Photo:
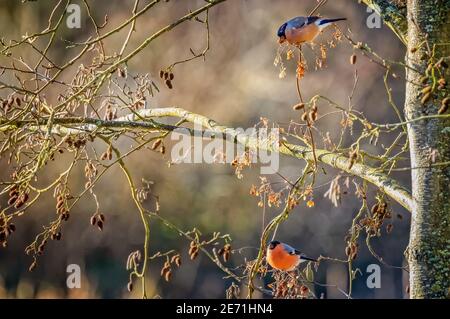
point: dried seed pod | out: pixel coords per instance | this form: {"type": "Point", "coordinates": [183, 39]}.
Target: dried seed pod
{"type": "Point", "coordinates": [178, 260]}
{"type": "Point", "coordinates": [413, 50]}
{"type": "Point", "coordinates": [161, 74]}
{"type": "Point", "coordinates": [100, 225]}
{"type": "Point", "coordinates": [167, 264]}
{"type": "Point", "coordinates": [19, 203]}
{"type": "Point", "coordinates": [65, 216]}
{"type": "Point", "coordinates": [193, 249]}
{"type": "Point", "coordinates": [347, 251]}
{"type": "Point", "coordinates": [226, 255]}
{"type": "Point", "coordinates": [162, 149]}
{"type": "Point", "coordinates": [130, 286]}
{"type": "Point", "coordinates": [164, 269]}
{"type": "Point", "coordinates": [194, 255]}
{"type": "Point", "coordinates": [10, 101]}
{"type": "Point", "coordinates": [32, 266]}
{"type": "Point", "coordinates": [13, 192]}
{"type": "Point", "coordinates": [304, 290]}
{"type": "Point", "coordinates": [41, 248]}
{"type": "Point", "coordinates": [156, 144]}
{"type": "Point", "coordinates": [171, 76]}
{"type": "Point", "coordinates": [172, 260]}
{"type": "Point", "coordinates": [353, 248]}
{"type": "Point", "coordinates": [168, 276]}
{"type": "Point", "coordinates": [59, 204]}
{"type": "Point", "coordinates": [389, 228]}
{"type": "Point", "coordinates": [101, 217]}
{"type": "Point", "coordinates": [444, 106]}
{"type": "Point", "coordinates": [61, 210]}
{"type": "Point", "coordinates": [12, 200]}
{"type": "Point", "coordinates": [312, 116]}
{"type": "Point", "coordinates": [121, 73]}
{"type": "Point", "coordinates": [299, 106]}
{"type": "Point", "coordinates": [305, 117]}
{"type": "Point", "coordinates": [374, 209]}
{"type": "Point", "coordinates": [166, 75]}
{"type": "Point", "coordinates": [353, 59]}
{"type": "Point", "coordinates": [56, 236]}
{"type": "Point", "coordinates": [427, 89]}
{"type": "Point", "coordinates": [169, 84]}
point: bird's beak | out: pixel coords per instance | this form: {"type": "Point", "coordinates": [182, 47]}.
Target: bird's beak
{"type": "Point", "coordinates": [281, 40]}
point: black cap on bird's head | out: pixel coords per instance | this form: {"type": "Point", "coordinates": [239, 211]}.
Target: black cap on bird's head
{"type": "Point", "coordinates": [273, 244]}
{"type": "Point", "coordinates": [282, 33]}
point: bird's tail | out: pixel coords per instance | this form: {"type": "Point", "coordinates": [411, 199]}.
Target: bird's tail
{"type": "Point", "coordinates": [324, 22]}
{"type": "Point", "coordinates": [303, 257]}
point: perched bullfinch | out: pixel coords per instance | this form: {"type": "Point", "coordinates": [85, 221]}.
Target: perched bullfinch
{"type": "Point", "coordinates": [303, 29]}
{"type": "Point", "coordinates": [284, 257]}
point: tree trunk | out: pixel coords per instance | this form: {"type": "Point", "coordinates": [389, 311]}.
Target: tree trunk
{"type": "Point", "coordinates": [429, 245]}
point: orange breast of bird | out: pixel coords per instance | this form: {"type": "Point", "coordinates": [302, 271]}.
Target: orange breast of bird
{"type": "Point", "coordinates": [279, 259]}
{"type": "Point", "coordinates": [304, 34]}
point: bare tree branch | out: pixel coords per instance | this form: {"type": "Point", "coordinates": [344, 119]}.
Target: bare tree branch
{"type": "Point", "coordinates": [142, 120]}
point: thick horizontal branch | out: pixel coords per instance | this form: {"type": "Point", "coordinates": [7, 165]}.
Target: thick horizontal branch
{"type": "Point", "coordinates": [393, 14]}
{"type": "Point", "coordinates": [391, 187]}
{"type": "Point", "coordinates": [143, 120]}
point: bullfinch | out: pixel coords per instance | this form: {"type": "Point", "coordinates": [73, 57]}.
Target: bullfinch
{"type": "Point", "coordinates": [303, 29]}
{"type": "Point", "coordinates": [284, 257]}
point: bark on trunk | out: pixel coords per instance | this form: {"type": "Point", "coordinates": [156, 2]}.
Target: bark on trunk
{"type": "Point", "coordinates": [429, 246]}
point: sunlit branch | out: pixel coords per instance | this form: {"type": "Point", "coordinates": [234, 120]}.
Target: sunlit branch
{"type": "Point", "coordinates": [142, 120]}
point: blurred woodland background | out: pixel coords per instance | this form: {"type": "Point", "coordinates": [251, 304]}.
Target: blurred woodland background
{"type": "Point", "coordinates": [236, 85]}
